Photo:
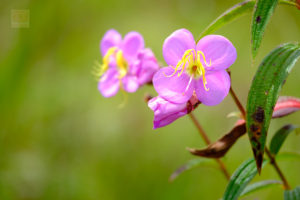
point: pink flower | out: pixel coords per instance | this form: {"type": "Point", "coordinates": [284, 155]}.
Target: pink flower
{"type": "Point", "coordinates": [146, 66]}
{"type": "Point", "coordinates": [198, 68]}
{"type": "Point", "coordinates": [166, 112]}
{"type": "Point", "coordinates": [126, 63]}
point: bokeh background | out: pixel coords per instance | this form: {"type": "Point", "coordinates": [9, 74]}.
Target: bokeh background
{"type": "Point", "coordinates": [60, 139]}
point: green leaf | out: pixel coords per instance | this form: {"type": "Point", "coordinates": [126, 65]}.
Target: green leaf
{"type": "Point", "coordinates": [263, 94]}
{"type": "Point", "coordinates": [233, 13]}
{"type": "Point", "coordinates": [228, 16]}
{"type": "Point", "coordinates": [280, 137]}
{"type": "Point", "coordinates": [191, 164]}
{"type": "Point", "coordinates": [288, 156]}
{"type": "Point", "coordinates": [240, 178]}
{"type": "Point", "coordinates": [260, 185]}
{"type": "Point", "coordinates": [292, 194]}
{"type": "Point", "coordinates": [262, 13]}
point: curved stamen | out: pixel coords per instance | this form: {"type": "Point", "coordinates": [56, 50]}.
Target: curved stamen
{"type": "Point", "coordinates": [202, 68]}
{"type": "Point", "coordinates": [182, 63]}
{"type": "Point", "coordinates": [192, 60]}
{"type": "Point", "coordinates": [203, 56]}
{"type": "Point", "coordinates": [102, 68]}
{"type": "Point", "coordinates": [121, 63]}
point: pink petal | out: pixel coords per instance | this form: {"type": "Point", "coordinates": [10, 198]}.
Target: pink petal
{"type": "Point", "coordinates": [218, 84]}
{"type": "Point", "coordinates": [133, 42]}
{"type": "Point", "coordinates": [173, 89]}
{"type": "Point", "coordinates": [130, 83]}
{"type": "Point", "coordinates": [146, 66]}
{"type": "Point", "coordinates": [109, 83]}
{"type": "Point", "coordinates": [148, 69]}
{"type": "Point", "coordinates": [111, 39]}
{"type": "Point", "coordinates": [176, 44]}
{"type": "Point", "coordinates": [219, 50]}
{"type": "Point", "coordinates": [166, 112]}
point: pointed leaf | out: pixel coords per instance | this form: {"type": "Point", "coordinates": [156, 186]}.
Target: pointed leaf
{"type": "Point", "coordinates": [220, 147]}
{"type": "Point", "coordinates": [260, 185]}
{"type": "Point", "coordinates": [191, 164]}
{"type": "Point", "coordinates": [228, 16]}
{"type": "Point", "coordinates": [292, 194]}
{"type": "Point", "coordinates": [286, 105]}
{"type": "Point", "coordinates": [262, 13]}
{"type": "Point", "coordinates": [240, 178]}
{"type": "Point", "coordinates": [233, 13]}
{"type": "Point", "coordinates": [263, 94]}
{"type": "Point", "coordinates": [280, 137]}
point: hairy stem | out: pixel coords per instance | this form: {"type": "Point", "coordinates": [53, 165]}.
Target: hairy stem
{"type": "Point", "coordinates": [278, 170]}
{"type": "Point", "coordinates": [200, 129]}
{"type": "Point", "coordinates": [237, 102]}
{"type": "Point", "coordinates": [207, 141]}
{"type": "Point", "coordinates": [271, 157]}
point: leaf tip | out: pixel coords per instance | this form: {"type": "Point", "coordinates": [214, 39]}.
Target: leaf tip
{"type": "Point", "coordinates": [191, 150]}
{"type": "Point", "coordinates": [259, 162]}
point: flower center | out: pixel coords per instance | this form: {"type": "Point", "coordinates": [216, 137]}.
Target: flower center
{"type": "Point", "coordinates": [191, 61]}
{"type": "Point", "coordinates": [120, 60]}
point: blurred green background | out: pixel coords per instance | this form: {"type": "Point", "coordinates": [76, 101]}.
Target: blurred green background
{"type": "Point", "coordinates": [60, 139]}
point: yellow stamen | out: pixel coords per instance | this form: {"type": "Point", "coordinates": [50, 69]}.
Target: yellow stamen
{"type": "Point", "coordinates": [191, 60]}
{"type": "Point", "coordinates": [122, 64]}
{"type": "Point", "coordinates": [101, 69]}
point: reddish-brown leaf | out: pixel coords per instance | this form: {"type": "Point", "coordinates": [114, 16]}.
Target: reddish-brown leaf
{"type": "Point", "coordinates": [221, 146]}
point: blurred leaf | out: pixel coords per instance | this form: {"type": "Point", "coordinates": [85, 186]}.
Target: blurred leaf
{"type": "Point", "coordinates": [262, 13]}
{"type": "Point", "coordinates": [233, 13]}
{"type": "Point", "coordinates": [220, 147]}
{"type": "Point", "coordinates": [280, 137]}
{"type": "Point", "coordinates": [288, 156]}
{"type": "Point", "coordinates": [240, 178]}
{"type": "Point", "coordinates": [286, 105]}
{"type": "Point", "coordinates": [260, 185]}
{"type": "Point", "coordinates": [191, 164]}
{"type": "Point", "coordinates": [263, 94]}
{"type": "Point", "coordinates": [228, 16]}
{"type": "Point", "coordinates": [292, 194]}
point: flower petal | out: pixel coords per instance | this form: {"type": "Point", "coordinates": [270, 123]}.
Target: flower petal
{"type": "Point", "coordinates": [217, 49]}
{"type": "Point", "coordinates": [218, 84]}
{"type": "Point", "coordinates": [110, 39]}
{"type": "Point", "coordinates": [130, 83]}
{"type": "Point", "coordinates": [176, 44]}
{"type": "Point", "coordinates": [174, 88]}
{"type": "Point", "coordinates": [166, 112]}
{"type": "Point", "coordinates": [109, 83]}
{"type": "Point", "coordinates": [146, 66]}
{"type": "Point", "coordinates": [148, 69]}
{"type": "Point", "coordinates": [133, 42]}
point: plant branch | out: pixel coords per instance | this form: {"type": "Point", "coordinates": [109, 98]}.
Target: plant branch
{"type": "Point", "coordinates": [237, 102]}
{"type": "Point", "coordinates": [200, 129]}
{"type": "Point", "coordinates": [207, 141]}
{"type": "Point", "coordinates": [271, 157]}
{"type": "Point", "coordinates": [276, 167]}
